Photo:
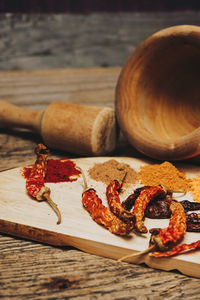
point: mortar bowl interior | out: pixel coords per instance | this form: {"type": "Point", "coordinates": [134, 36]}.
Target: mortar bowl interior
{"type": "Point", "coordinates": [157, 94]}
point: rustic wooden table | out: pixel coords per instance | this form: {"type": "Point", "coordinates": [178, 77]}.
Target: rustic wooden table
{"type": "Point", "coordinates": [31, 270]}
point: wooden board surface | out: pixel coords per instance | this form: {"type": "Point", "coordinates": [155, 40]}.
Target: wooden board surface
{"type": "Point", "coordinates": [24, 217]}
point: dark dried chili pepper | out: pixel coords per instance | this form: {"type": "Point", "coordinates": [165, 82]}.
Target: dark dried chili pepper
{"type": "Point", "coordinates": [175, 230]}
{"type": "Point", "coordinates": [159, 208]}
{"type": "Point", "coordinates": [189, 206]}
{"type": "Point", "coordinates": [112, 193]}
{"type": "Point", "coordinates": [177, 249]}
{"type": "Point", "coordinates": [193, 222]}
{"type": "Point", "coordinates": [141, 203]}
{"type": "Point", "coordinates": [35, 182]}
{"type": "Point", "coordinates": [129, 202]}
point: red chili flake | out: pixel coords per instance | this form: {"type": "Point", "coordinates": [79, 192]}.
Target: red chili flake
{"type": "Point", "coordinates": [61, 170]}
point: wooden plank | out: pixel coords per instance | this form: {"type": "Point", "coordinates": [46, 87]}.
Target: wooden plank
{"type": "Point", "coordinates": [47, 41]}
{"type": "Point", "coordinates": [93, 86]}
{"type": "Point", "coordinates": [22, 216]}
{"type": "Point", "coordinates": [35, 270]}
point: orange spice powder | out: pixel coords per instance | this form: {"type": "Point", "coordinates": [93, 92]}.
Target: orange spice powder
{"type": "Point", "coordinates": [194, 187]}
{"type": "Point", "coordinates": [165, 174]}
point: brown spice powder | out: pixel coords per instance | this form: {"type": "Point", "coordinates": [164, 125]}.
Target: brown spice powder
{"type": "Point", "coordinates": [111, 170]}
{"type": "Point", "coordinates": [165, 174]}
{"type": "Point", "coordinates": [194, 187]}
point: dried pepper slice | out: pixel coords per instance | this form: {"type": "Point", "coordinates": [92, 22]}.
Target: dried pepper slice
{"type": "Point", "coordinates": [112, 193]}
{"type": "Point", "coordinates": [141, 203]}
{"type": "Point", "coordinates": [177, 249]}
{"type": "Point", "coordinates": [175, 230]}
{"type": "Point", "coordinates": [102, 215]}
{"type": "Point", "coordinates": [35, 179]}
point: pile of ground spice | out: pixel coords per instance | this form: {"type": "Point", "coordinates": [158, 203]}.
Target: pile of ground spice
{"type": "Point", "coordinates": [194, 187]}
{"type": "Point", "coordinates": [111, 170]}
{"type": "Point", "coordinates": [165, 174]}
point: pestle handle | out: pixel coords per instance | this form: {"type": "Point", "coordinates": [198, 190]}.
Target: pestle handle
{"type": "Point", "coordinates": [71, 127]}
{"type": "Point", "coordinates": [12, 116]}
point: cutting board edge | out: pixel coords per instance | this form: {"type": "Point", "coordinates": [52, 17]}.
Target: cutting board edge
{"type": "Point", "coordinates": [94, 247]}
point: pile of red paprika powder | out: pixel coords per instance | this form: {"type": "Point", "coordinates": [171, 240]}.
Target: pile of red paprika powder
{"type": "Point", "coordinates": [57, 170]}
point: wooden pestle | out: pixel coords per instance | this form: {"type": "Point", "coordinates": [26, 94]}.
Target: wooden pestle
{"type": "Point", "coordinates": [80, 129]}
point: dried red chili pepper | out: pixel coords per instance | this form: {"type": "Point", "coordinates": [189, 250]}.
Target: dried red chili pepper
{"type": "Point", "coordinates": [129, 202]}
{"type": "Point", "coordinates": [175, 230]}
{"type": "Point", "coordinates": [162, 238]}
{"type": "Point", "coordinates": [112, 193]}
{"type": "Point", "coordinates": [35, 182]}
{"type": "Point", "coordinates": [177, 249]}
{"type": "Point", "coordinates": [102, 215]}
{"type": "Point", "coordinates": [141, 203]}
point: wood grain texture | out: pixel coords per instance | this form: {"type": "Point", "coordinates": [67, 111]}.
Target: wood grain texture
{"type": "Point", "coordinates": [75, 40]}
{"type": "Point", "coordinates": [31, 270]}
{"type": "Point", "coordinates": [157, 96]}
{"type": "Point", "coordinates": [23, 217]}
{"type": "Point", "coordinates": [37, 271]}
{"type": "Point", "coordinates": [37, 88]}
{"type": "Point", "coordinates": [45, 272]}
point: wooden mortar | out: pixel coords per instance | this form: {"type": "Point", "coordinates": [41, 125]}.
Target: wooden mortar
{"type": "Point", "coordinates": [157, 94]}
{"type": "Point", "coordinates": [75, 128]}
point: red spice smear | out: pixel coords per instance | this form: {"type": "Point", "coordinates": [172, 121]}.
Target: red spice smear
{"type": "Point", "coordinates": [57, 170]}
{"type": "Point", "coordinates": [61, 170]}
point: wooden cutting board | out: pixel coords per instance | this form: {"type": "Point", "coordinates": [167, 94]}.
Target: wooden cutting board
{"type": "Point", "coordinates": [24, 217]}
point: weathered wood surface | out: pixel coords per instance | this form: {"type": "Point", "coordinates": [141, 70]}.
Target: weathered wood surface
{"type": "Point", "coordinates": [37, 271]}
{"type": "Point", "coordinates": [30, 270]}
{"type": "Point", "coordinates": [67, 40]}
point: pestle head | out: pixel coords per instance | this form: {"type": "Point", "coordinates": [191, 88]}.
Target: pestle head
{"type": "Point", "coordinates": [81, 129]}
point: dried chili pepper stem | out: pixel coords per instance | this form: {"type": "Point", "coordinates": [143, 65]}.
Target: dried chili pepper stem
{"type": "Point", "coordinates": [146, 251]}
{"type": "Point", "coordinates": [184, 192]}
{"type": "Point", "coordinates": [85, 187]}
{"type": "Point", "coordinates": [44, 195]}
